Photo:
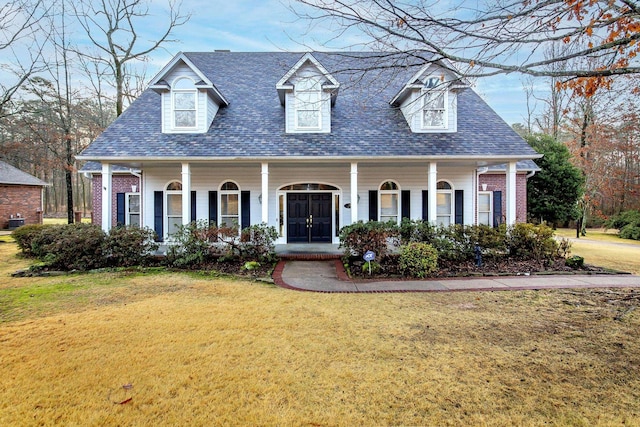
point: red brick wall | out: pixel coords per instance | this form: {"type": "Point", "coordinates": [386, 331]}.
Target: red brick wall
{"type": "Point", "coordinates": [498, 182]}
{"type": "Point", "coordinates": [25, 200]}
{"type": "Point", "coordinates": [119, 184]}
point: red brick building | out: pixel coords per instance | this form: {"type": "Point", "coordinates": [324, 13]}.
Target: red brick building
{"type": "Point", "coordinates": [20, 197]}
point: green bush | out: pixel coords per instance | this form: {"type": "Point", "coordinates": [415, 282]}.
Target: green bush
{"type": "Point", "coordinates": [25, 235]}
{"type": "Point", "coordinates": [623, 219]}
{"type": "Point", "coordinates": [192, 244]}
{"type": "Point", "coordinates": [129, 246]}
{"type": "Point", "coordinates": [532, 242]}
{"type": "Point", "coordinates": [418, 259]}
{"type": "Point", "coordinates": [71, 246]}
{"type": "Point", "coordinates": [575, 262]}
{"type": "Point", "coordinates": [375, 236]}
{"type": "Point", "coordinates": [257, 242]}
{"type": "Point", "coordinates": [417, 230]}
{"type": "Point", "coordinates": [630, 231]}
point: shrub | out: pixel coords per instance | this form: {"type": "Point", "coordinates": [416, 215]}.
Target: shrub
{"type": "Point", "coordinates": [25, 235]}
{"type": "Point", "coordinates": [574, 262]}
{"type": "Point", "coordinates": [192, 244]}
{"type": "Point", "coordinates": [623, 219]}
{"type": "Point", "coordinates": [630, 231]}
{"type": "Point", "coordinates": [71, 246]}
{"type": "Point", "coordinates": [375, 236]}
{"type": "Point", "coordinates": [129, 246]}
{"type": "Point", "coordinates": [412, 230]}
{"type": "Point", "coordinates": [418, 259]}
{"type": "Point", "coordinates": [532, 242]}
{"type": "Point", "coordinates": [257, 242]}
{"type": "Point", "coordinates": [371, 267]}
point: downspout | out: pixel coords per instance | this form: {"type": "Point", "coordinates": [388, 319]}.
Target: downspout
{"type": "Point", "coordinates": [530, 174]}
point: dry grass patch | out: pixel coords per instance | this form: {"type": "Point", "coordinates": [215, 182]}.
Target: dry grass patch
{"type": "Point", "coordinates": [213, 352]}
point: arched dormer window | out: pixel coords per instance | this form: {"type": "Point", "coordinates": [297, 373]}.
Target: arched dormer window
{"type": "Point", "coordinates": [389, 202]}
{"type": "Point", "coordinates": [173, 201]}
{"type": "Point", "coordinates": [184, 102]}
{"type": "Point", "coordinates": [308, 96]}
{"type": "Point", "coordinates": [434, 103]}
{"type": "Point", "coordinates": [444, 211]}
{"type": "Point", "coordinates": [229, 204]}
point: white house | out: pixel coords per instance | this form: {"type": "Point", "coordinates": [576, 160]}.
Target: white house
{"type": "Point", "coordinates": [306, 143]}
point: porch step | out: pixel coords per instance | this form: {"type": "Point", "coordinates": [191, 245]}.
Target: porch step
{"type": "Point", "coordinates": [308, 257]}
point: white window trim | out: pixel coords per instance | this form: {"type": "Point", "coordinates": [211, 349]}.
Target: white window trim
{"type": "Point", "coordinates": [127, 218]}
{"type": "Point", "coordinates": [221, 193]}
{"type": "Point", "coordinates": [166, 207]}
{"type": "Point", "coordinates": [452, 209]}
{"type": "Point", "coordinates": [445, 93]}
{"type": "Point", "coordinates": [193, 91]}
{"type": "Point", "coordinates": [297, 108]}
{"type": "Point", "coordinates": [397, 192]}
{"type": "Point", "coordinates": [490, 211]}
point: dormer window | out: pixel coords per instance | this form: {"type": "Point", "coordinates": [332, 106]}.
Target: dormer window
{"type": "Point", "coordinates": [434, 104]}
{"type": "Point", "coordinates": [308, 97]}
{"type": "Point", "coordinates": [184, 96]}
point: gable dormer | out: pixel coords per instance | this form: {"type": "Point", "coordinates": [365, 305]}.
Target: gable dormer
{"type": "Point", "coordinates": [429, 100]}
{"type": "Point", "coordinates": [190, 101]}
{"type": "Point", "coordinates": [307, 92]}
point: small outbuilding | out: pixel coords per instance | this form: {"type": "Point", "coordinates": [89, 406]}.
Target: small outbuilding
{"type": "Point", "coordinates": [21, 197]}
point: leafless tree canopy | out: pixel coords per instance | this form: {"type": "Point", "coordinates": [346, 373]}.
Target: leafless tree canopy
{"type": "Point", "coordinates": [490, 37]}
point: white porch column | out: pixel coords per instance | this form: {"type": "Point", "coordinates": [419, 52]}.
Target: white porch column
{"type": "Point", "coordinates": [511, 193]}
{"type": "Point", "coordinates": [265, 193]}
{"type": "Point", "coordinates": [186, 194]}
{"type": "Point", "coordinates": [433, 193]}
{"type": "Point", "coordinates": [107, 202]}
{"type": "Point", "coordinates": [354, 192]}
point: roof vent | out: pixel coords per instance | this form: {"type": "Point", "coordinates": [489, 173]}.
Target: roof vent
{"type": "Point", "coordinates": [222, 50]}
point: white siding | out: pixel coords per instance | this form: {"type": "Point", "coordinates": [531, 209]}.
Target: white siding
{"type": "Point", "coordinates": [412, 111]}
{"type": "Point", "coordinates": [206, 106]}
{"type": "Point", "coordinates": [307, 71]}
{"type": "Point", "coordinates": [205, 178]}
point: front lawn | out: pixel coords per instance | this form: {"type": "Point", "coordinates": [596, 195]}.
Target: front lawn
{"type": "Point", "coordinates": [158, 348]}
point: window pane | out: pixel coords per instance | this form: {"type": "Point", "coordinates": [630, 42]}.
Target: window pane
{"type": "Point", "coordinates": [388, 204]}
{"type": "Point", "coordinates": [444, 221]}
{"type": "Point", "coordinates": [134, 203]}
{"type": "Point", "coordinates": [484, 204]}
{"type": "Point", "coordinates": [185, 119]}
{"type": "Point", "coordinates": [443, 185]}
{"type": "Point", "coordinates": [434, 118]}
{"type": "Point", "coordinates": [229, 221]}
{"type": "Point", "coordinates": [484, 218]}
{"type": "Point", "coordinates": [134, 220]}
{"type": "Point", "coordinates": [229, 204]}
{"type": "Point", "coordinates": [174, 204]}
{"type": "Point", "coordinates": [229, 186]}
{"type": "Point", "coordinates": [175, 185]}
{"type": "Point", "coordinates": [444, 204]}
{"type": "Point", "coordinates": [174, 224]}
{"type": "Point", "coordinates": [185, 101]}
{"type": "Point", "coordinates": [434, 100]}
{"type": "Point", "coordinates": [389, 185]}
{"type": "Point", "coordinates": [308, 118]}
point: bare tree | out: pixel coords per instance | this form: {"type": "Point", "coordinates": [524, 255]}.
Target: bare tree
{"type": "Point", "coordinates": [21, 42]}
{"type": "Point", "coordinates": [113, 27]}
{"type": "Point", "coordinates": [503, 37]}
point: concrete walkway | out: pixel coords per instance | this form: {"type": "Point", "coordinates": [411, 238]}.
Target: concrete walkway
{"type": "Point", "coordinates": [328, 276]}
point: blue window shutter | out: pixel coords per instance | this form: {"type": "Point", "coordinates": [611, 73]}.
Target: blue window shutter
{"type": "Point", "coordinates": [158, 214]}
{"type": "Point", "coordinates": [497, 208]}
{"type": "Point", "coordinates": [406, 204]}
{"type": "Point", "coordinates": [120, 208]}
{"type": "Point", "coordinates": [373, 205]}
{"type": "Point", "coordinates": [213, 207]}
{"type": "Point", "coordinates": [245, 206]}
{"type": "Point", "coordinates": [425, 205]}
{"type": "Point", "coordinates": [193, 206]}
{"type": "Point", "coordinates": [459, 205]}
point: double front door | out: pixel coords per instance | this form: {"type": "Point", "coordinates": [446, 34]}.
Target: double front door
{"type": "Point", "coordinates": [309, 218]}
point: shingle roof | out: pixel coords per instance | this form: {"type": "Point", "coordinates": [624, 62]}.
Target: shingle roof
{"type": "Point", "coordinates": [363, 124]}
{"type": "Point", "coordinates": [14, 176]}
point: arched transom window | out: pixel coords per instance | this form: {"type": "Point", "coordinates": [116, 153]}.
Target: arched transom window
{"type": "Point", "coordinates": [389, 202]}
